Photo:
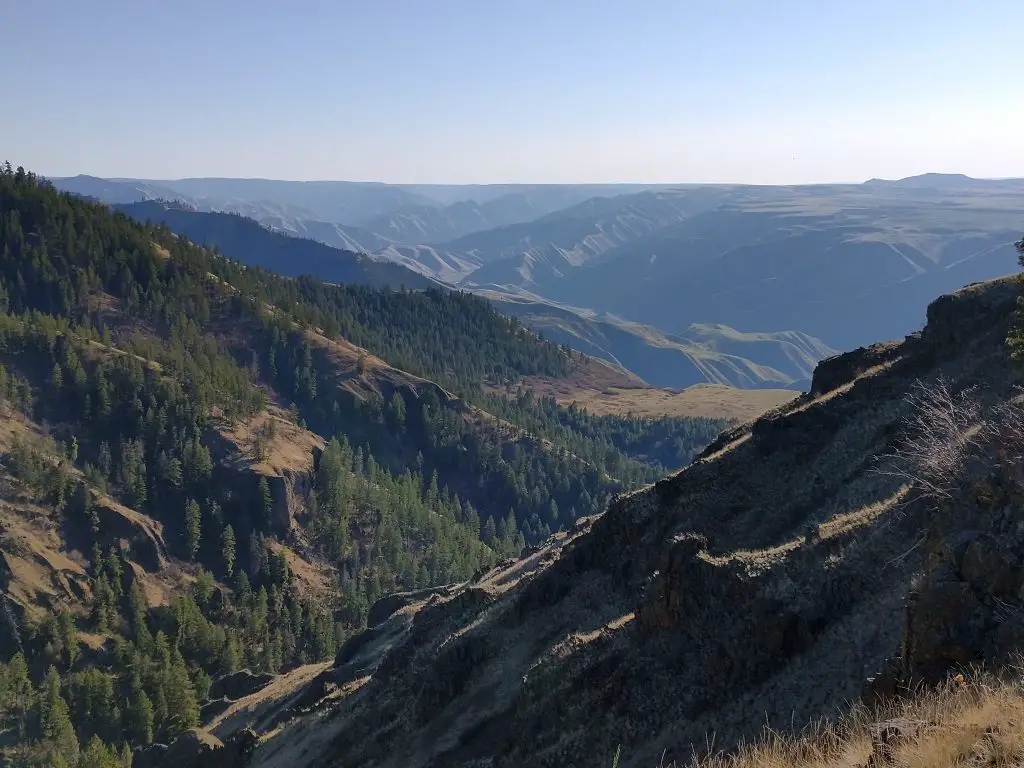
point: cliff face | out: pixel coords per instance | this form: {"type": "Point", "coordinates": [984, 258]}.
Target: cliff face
{"type": "Point", "coordinates": [765, 583]}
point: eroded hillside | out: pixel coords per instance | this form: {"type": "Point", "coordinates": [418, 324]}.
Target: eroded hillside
{"type": "Point", "coordinates": [764, 584]}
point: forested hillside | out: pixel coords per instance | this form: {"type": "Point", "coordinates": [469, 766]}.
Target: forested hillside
{"type": "Point", "coordinates": [208, 467]}
{"type": "Point", "coordinates": [241, 238]}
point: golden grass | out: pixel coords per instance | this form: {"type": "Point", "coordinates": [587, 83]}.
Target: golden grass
{"type": "Point", "coordinates": [708, 400]}
{"type": "Point", "coordinates": [291, 447]}
{"type": "Point", "coordinates": [973, 721]}
{"type": "Point", "coordinates": [843, 523]}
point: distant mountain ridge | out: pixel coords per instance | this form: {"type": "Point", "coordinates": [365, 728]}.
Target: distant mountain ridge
{"type": "Point", "coordinates": [249, 242]}
{"type": "Point", "coordinates": [834, 265]}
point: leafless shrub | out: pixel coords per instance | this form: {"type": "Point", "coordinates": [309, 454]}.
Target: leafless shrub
{"type": "Point", "coordinates": [941, 437]}
{"type": "Point", "coordinates": [1008, 425]}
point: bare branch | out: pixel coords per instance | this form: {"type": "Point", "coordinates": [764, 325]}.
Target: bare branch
{"type": "Point", "coordinates": [942, 434]}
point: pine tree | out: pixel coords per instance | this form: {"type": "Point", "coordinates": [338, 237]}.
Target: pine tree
{"type": "Point", "coordinates": [227, 549]}
{"type": "Point", "coordinates": [266, 503]}
{"type": "Point", "coordinates": [138, 610]}
{"type": "Point", "coordinates": [182, 708]}
{"type": "Point", "coordinates": [10, 632]}
{"type": "Point", "coordinates": [1015, 339]}
{"type": "Point", "coordinates": [19, 693]}
{"type": "Point", "coordinates": [56, 380]}
{"type": "Point", "coordinates": [193, 523]}
{"type": "Point", "coordinates": [55, 720]}
{"type": "Point", "coordinates": [98, 755]}
{"type": "Point", "coordinates": [139, 715]}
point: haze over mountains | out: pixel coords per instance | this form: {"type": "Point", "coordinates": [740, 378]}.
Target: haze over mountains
{"type": "Point", "coordinates": [737, 284]}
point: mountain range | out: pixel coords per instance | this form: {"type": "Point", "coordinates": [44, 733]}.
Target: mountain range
{"type": "Point", "coordinates": [744, 285]}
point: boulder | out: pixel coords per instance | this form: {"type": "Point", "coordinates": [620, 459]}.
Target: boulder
{"type": "Point", "coordinates": [199, 749]}
{"type": "Point", "coordinates": [835, 371]}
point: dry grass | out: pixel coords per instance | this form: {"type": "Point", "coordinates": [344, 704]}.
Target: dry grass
{"type": "Point", "coordinates": [708, 400]}
{"type": "Point", "coordinates": [290, 448]}
{"type": "Point", "coordinates": [974, 721]}
{"type": "Point", "coordinates": [603, 388]}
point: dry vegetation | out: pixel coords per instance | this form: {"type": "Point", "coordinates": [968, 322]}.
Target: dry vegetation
{"type": "Point", "coordinates": [972, 720]}
{"type": "Point", "coordinates": [603, 389]}
{"type": "Point", "coordinates": [708, 400]}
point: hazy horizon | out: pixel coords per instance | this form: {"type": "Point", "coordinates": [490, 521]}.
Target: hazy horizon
{"type": "Point", "coordinates": [462, 92]}
{"type": "Point", "coordinates": [500, 183]}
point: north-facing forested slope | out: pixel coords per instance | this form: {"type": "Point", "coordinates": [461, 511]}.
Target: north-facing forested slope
{"type": "Point", "coordinates": [207, 467]}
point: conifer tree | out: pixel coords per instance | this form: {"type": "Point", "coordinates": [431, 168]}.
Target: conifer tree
{"type": "Point", "coordinates": [55, 720]}
{"type": "Point", "coordinates": [193, 524]}
{"type": "Point", "coordinates": [227, 549]}
{"type": "Point", "coordinates": [139, 714]}
{"type": "Point", "coordinates": [182, 707]}
{"type": "Point", "coordinates": [266, 502]}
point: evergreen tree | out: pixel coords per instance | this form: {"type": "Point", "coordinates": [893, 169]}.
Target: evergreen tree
{"type": "Point", "coordinates": [227, 549]}
{"type": "Point", "coordinates": [55, 720]}
{"type": "Point", "coordinates": [98, 755]}
{"type": "Point", "coordinates": [193, 524]}
{"type": "Point", "coordinates": [182, 707]}
{"type": "Point", "coordinates": [266, 502]}
{"type": "Point", "coordinates": [18, 693]}
{"type": "Point", "coordinates": [10, 632]}
{"type": "Point", "coordinates": [139, 714]}
{"type": "Point", "coordinates": [138, 609]}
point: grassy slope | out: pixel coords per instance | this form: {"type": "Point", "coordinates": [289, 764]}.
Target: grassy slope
{"type": "Point", "coordinates": [972, 720]}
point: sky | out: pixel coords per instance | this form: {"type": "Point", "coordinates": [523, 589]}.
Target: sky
{"type": "Point", "coordinates": [484, 91]}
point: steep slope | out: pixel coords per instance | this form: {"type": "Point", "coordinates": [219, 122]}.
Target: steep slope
{"type": "Point", "coordinates": [761, 586]}
{"type": "Point", "coordinates": [806, 260]}
{"type": "Point", "coordinates": [574, 236]}
{"type": "Point", "coordinates": [701, 354]}
{"type": "Point", "coordinates": [345, 237]}
{"type": "Point", "coordinates": [208, 472]}
{"type": "Point", "coordinates": [475, 209]}
{"type": "Point", "coordinates": [430, 262]}
{"type": "Point", "coordinates": [247, 241]}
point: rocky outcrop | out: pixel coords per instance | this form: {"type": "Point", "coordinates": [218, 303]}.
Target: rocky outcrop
{"type": "Point", "coordinates": [197, 748]}
{"type": "Point", "coordinates": [240, 684]}
{"type": "Point", "coordinates": [383, 608]}
{"type": "Point", "coordinates": [968, 607]}
{"type": "Point", "coordinates": [211, 709]}
{"type": "Point", "coordinates": [126, 529]}
{"type": "Point", "coordinates": [834, 372]}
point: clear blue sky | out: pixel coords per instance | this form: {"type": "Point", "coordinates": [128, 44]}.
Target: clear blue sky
{"type": "Point", "coordinates": [773, 91]}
